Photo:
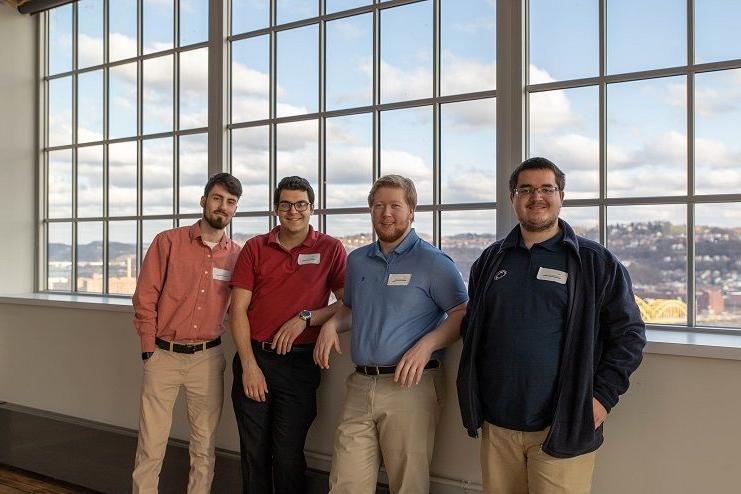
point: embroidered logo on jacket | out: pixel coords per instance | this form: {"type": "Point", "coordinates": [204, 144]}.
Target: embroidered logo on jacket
{"type": "Point", "coordinates": [500, 274]}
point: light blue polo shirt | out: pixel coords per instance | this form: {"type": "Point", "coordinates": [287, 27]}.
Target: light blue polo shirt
{"type": "Point", "coordinates": [396, 300]}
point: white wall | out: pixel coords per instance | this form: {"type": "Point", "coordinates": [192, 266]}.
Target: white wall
{"type": "Point", "coordinates": [17, 149]}
{"type": "Point", "coordinates": [675, 432]}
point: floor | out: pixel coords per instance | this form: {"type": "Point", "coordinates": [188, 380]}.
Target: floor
{"type": "Point", "coordinates": [15, 481]}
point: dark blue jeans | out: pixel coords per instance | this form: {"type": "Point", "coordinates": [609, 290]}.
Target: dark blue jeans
{"type": "Point", "coordinates": [272, 434]}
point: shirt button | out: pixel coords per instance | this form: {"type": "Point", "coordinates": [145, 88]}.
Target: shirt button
{"type": "Point", "coordinates": [208, 255]}
{"type": "Point", "coordinates": [195, 325]}
{"type": "Point", "coordinates": [199, 308]}
{"type": "Point", "coordinates": [205, 272]}
{"type": "Point", "coordinates": [202, 290]}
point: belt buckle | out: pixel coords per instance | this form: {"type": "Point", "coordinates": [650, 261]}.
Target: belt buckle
{"type": "Point", "coordinates": [375, 371]}
{"type": "Point", "coordinates": [190, 349]}
{"type": "Point", "coordinates": [265, 346]}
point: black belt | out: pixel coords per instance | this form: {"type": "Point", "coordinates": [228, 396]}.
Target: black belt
{"type": "Point", "coordinates": [184, 347]}
{"type": "Point", "coordinates": [376, 370]}
{"type": "Point", "coordinates": [265, 347]}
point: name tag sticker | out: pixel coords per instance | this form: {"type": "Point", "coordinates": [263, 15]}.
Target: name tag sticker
{"type": "Point", "coordinates": [309, 259]}
{"type": "Point", "coordinates": [548, 274]}
{"type": "Point", "coordinates": [222, 274]}
{"type": "Point", "coordinates": [398, 279]}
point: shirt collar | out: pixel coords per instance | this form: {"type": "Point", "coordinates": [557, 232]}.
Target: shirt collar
{"type": "Point", "coordinates": [195, 232]}
{"type": "Point", "coordinates": [309, 241]}
{"type": "Point", "coordinates": [404, 246]}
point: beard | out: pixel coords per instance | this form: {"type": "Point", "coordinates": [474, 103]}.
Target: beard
{"type": "Point", "coordinates": [216, 221]}
{"type": "Point", "coordinates": [534, 226]}
{"type": "Point", "coordinates": [391, 235]}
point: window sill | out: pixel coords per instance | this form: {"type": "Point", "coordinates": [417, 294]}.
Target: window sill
{"type": "Point", "coordinates": [68, 301]}
{"type": "Point", "coordinates": [661, 341]}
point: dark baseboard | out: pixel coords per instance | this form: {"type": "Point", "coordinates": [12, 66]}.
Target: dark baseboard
{"type": "Point", "coordinates": [100, 457]}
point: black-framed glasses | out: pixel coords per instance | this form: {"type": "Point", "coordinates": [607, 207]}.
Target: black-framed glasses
{"type": "Point", "coordinates": [545, 190]}
{"type": "Point", "coordinates": [300, 206]}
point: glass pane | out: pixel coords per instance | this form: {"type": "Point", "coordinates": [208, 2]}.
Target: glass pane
{"type": "Point", "coordinates": [465, 234]}
{"type": "Point", "coordinates": [122, 101]}
{"type": "Point", "coordinates": [194, 89]}
{"type": "Point", "coordinates": [60, 39]}
{"type": "Point", "coordinates": [406, 147]}
{"type": "Point", "coordinates": [150, 229]}
{"type": "Point", "coordinates": [298, 71]}
{"type": "Point", "coordinates": [90, 257]}
{"type": "Point", "coordinates": [297, 152]}
{"type": "Point", "coordinates": [717, 127]}
{"type": "Point", "coordinates": [122, 269]}
{"type": "Point", "coordinates": [90, 181]}
{"type": "Point", "coordinates": [564, 40]}
{"type": "Point", "coordinates": [350, 62]}
{"type": "Point", "coordinates": [717, 36]}
{"type": "Point", "coordinates": [122, 179]}
{"type": "Point", "coordinates": [60, 184]}
{"type": "Point", "coordinates": [193, 171]}
{"type": "Point", "coordinates": [295, 10]}
{"type": "Point", "coordinates": [584, 220]}
{"type": "Point", "coordinates": [250, 79]}
{"type": "Point", "coordinates": [60, 111]}
{"type": "Point", "coordinates": [157, 176]}
{"type": "Point", "coordinates": [158, 25]}
{"type": "Point", "coordinates": [90, 106]}
{"type": "Point", "coordinates": [717, 264]}
{"type": "Point", "coordinates": [349, 155]}
{"type": "Point", "coordinates": [353, 230]}
{"type": "Point", "coordinates": [122, 29]}
{"type": "Point", "coordinates": [468, 151]}
{"type": "Point", "coordinates": [158, 95]}
{"type": "Point", "coordinates": [406, 52]}
{"type": "Point", "coordinates": [651, 241]}
{"type": "Point", "coordinates": [244, 228]}
{"type": "Point", "coordinates": [59, 257]}
{"type": "Point", "coordinates": [250, 15]}
{"type": "Point", "coordinates": [90, 33]}
{"type": "Point", "coordinates": [467, 46]}
{"type": "Point", "coordinates": [646, 35]}
{"type": "Point", "coordinates": [422, 224]}
{"type": "Point", "coordinates": [251, 165]}
{"type": "Point", "coordinates": [647, 138]}
{"type": "Point", "coordinates": [193, 21]}
{"type": "Point", "coordinates": [338, 5]}
{"type": "Point", "coordinates": [564, 127]}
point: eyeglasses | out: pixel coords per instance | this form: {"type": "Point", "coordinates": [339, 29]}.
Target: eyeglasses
{"type": "Point", "coordinates": [300, 206]}
{"type": "Point", "coordinates": [545, 190]}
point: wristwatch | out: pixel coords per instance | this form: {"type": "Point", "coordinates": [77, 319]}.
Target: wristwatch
{"type": "Point", "coordinates": [305, 315]}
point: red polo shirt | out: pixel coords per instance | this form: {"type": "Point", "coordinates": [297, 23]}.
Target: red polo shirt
{"type": "Point", "coordinates": [285, 283]}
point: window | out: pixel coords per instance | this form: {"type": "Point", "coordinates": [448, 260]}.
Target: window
{"type": "Point", "coordinates": [637, 103]}
{"type": "Point", "coordinates": [125, 153]}
{"type": "Point", "coordinates": [641, 119]}
{"type": "Point", "coordinates": [343, 96]}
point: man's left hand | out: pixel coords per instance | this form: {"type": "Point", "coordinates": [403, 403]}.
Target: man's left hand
{"type": "Point", "coordinates": [599, 411]}
{"type": "Point", "coordinates": [287, 334]}
{"type": "Point", "coordinates": [412, 364]}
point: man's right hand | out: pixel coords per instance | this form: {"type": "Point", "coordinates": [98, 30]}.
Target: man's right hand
{"type": "Point", "coordinates": [253, 382]}
{"type": "Point", "coordinates": [327, 340]}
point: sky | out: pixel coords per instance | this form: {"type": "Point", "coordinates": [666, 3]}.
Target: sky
{"type": "Point", "coordinates": [646, 120]}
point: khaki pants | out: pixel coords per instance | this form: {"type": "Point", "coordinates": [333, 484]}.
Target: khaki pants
{"type": "Point", "coordinates": [512, 462]}
{"type": "Point", "coordinates": [202, 376]}
{"type": "Point", "coordinates": [384, 420]}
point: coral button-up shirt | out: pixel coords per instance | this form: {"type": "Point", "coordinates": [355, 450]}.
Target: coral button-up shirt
{"type": "Point", "coordinates": [182, 293]}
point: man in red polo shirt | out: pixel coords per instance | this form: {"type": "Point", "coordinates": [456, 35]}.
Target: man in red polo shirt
{"type": "Point", "coordinates": [180, 301]}
{"type": "Point", "coordinates": [280, 290]}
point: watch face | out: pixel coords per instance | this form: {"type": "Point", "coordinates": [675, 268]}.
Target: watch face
{"type": "Point", "coordinates": [304, 314]}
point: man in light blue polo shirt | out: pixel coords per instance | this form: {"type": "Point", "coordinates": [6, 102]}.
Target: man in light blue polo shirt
{"type": "Point", "coordinates": [405, 300]}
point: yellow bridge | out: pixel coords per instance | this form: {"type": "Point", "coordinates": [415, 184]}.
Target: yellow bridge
{"type": "Point", "coordinates": [662, 310]}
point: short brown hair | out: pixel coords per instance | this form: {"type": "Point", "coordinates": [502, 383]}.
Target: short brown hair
{"type": "Point", "coordinates": [399, 182]}
{"type": "Point", "coordinates": [226, 180]}
{"type": "Point", "coordinates": [537, 163]}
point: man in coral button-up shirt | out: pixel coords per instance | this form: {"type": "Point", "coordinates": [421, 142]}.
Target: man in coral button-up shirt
{"type": "Point", "coordinates": [181, 297]}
